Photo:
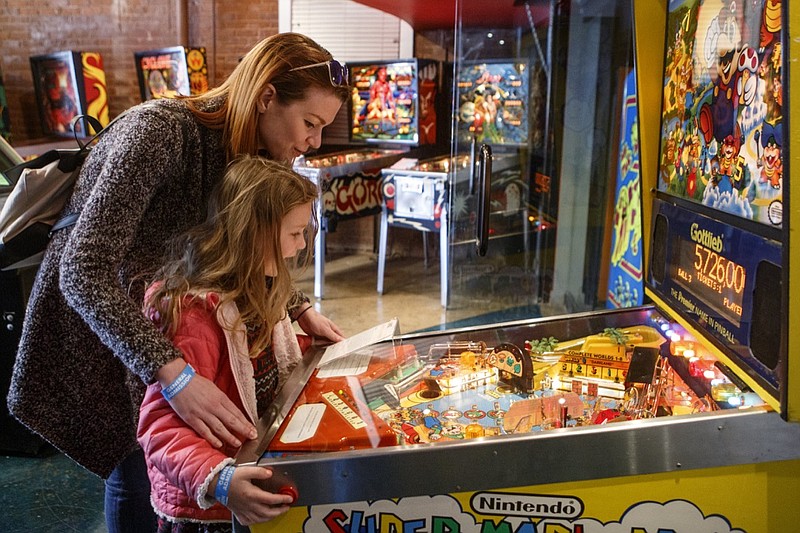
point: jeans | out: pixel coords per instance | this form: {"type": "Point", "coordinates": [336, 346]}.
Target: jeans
{"type": "Point", "coordinates": [127, 500]}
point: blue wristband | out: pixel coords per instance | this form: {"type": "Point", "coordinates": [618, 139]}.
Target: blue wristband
{"type": "Point", "coordinates": [224, 484]}
{"type": "Point", "coordinates": [180, 382]}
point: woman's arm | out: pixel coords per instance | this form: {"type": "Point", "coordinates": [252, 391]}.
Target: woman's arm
{"type": "Point", "coordinates": [206, 409]}
{"type": "Point", "coordinates": [118, 239]}
{"type": "Point", "coordinates": [128, 168]}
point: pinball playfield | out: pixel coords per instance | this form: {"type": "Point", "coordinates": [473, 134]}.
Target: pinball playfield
{"type": "Point", "coordinates": [400, 394]}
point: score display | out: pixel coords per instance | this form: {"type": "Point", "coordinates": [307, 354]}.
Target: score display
{"type": "Point", "coordinates": [724, 279]}
{"type": "Point", "coordinates": [701, 268]}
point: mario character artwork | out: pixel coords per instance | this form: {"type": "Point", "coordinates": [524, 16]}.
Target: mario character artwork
{"type": "Point", "coordinates": [722, 116]}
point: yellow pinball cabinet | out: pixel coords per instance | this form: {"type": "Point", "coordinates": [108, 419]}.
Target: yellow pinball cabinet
{"type": "Point", "coordinates": [680, 415]}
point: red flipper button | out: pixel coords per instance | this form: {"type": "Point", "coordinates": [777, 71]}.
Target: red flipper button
{"type": "Point", "coordinates": [289, 490]}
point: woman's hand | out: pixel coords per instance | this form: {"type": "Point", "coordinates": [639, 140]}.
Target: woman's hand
{"type": "Point", "coordinates": [206, 408]}
{"type": "Point", "coordinates": [250, 503]}
{"type": "Point", "coordinates": [318, 325]}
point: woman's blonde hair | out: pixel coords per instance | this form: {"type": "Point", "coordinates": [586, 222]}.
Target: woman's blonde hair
{"type": "Point", "coordinates": [270, 61]}
{"type": "Point", "coordinates": [226, 253]}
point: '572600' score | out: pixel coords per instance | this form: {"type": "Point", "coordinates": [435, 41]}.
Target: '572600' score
{"type": "Point", "coordinates": [708, 275]}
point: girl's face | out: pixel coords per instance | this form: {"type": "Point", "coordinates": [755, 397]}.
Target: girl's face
{"type": "Point", "coordinates": [287, 131]}
{"type": "Point", "coordinates": [293, 237]}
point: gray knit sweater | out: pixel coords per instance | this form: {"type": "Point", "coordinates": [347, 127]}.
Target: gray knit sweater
{"type": "Point", "coordinates": [86, 350]}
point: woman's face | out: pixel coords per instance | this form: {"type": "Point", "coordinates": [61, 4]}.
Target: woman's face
{"type": "Point", "coordinates": [287, 131]}
{"type": "Point", "coordinates": [293, 237]}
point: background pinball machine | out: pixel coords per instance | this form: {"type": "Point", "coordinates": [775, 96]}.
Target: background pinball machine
{"type": "Point", "coordinates": [171, 72]}
{"type": "Point", "coordinates": [68, 84]}
{"type": "Point", "coordinates": [677, 415]}
{"type": "Point", "coordinates": [446, 195]}
{"type": "Point", "coordinates": [391, 112]}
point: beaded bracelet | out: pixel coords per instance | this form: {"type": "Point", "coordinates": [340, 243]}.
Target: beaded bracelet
{"type": "Point", "coordinates": [180, 382]}
{"type": "Point", "coordinates": [224, 484]}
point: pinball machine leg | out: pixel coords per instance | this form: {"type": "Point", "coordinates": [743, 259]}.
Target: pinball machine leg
{"type": "Point", "coordinates": [425, 248]}
{"type": "Point", "coordinates": [382, 248]}
{"type": "Point", "coordinates": [319, 263]}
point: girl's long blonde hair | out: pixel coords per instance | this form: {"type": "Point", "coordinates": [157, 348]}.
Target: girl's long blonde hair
{"type": "Point", "coordinates": [269, 61]}
{"type": "Point", "coordinates": [226, 253]}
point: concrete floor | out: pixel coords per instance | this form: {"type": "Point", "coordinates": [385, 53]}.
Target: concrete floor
{"type": "Point", "coordinates": [49, 493]}
{"type": "Point", "coordinates": [411, 293]}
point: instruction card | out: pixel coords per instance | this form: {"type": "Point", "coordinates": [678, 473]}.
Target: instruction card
{"type": "Point", "coordinates": [359, 341]}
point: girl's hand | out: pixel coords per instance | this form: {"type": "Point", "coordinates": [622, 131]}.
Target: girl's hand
{"type": "Point", "coordinates": [207, 409]}
{"type": "Point", "coordinates": [250, 503]}
{"type": "Point", "coordinates": [318, 325]}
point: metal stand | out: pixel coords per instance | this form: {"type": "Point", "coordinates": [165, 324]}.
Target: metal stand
{"type": "Point", "coordinates": [319, 256]}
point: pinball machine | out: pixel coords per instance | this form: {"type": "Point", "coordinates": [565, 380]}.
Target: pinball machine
{"type": "Point", "coordinates": [513, 417]}
{"type": "Point", "coordinates": [444, 195]}
{"type": "Point", "coordinates": [677, 415]}
{"type": "Point", "coordinates": [390, 112]}
{"type": "Point", "coordinates": [417, 196]}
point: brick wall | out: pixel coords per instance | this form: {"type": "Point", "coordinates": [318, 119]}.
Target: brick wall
{"type": "Point", "coordinates": [116, 29]}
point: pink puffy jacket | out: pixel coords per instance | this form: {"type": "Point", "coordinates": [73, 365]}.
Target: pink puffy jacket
{"type": "Point", "coordinates": [180, 463]}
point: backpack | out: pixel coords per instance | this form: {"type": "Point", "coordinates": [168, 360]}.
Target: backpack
{"type": "Point", "coordinates": [41, 189]}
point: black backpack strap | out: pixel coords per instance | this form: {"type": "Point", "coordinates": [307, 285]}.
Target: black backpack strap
{"type": "Point", "coordinates": [86, 139]}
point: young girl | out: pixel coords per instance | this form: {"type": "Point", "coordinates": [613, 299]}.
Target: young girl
{"type": "Point", "coordinates": [221, 298]}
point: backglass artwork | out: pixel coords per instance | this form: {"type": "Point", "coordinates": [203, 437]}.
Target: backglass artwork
{"type": "Point", "coordinates": [722, 119]}
{"type": "Point", "coordinates": [171, 72]}
{"type": "Point", "coordinates": [69, 84]}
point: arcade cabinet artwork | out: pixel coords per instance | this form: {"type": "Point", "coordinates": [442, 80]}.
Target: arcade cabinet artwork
{"type": "Point", "coordinates": [394, 102]}
{"type": "Point", "coordinates": [381, 107]}
{"type": "Point", "coordinates": [722, 117]}
{"type": "Point", "coordinates": [625, 277]}
{"type": "Point", "coordinates": [68, 84]}
{"type": "Point", "coordinates": [384, 102]}
{"type": "Point", "coordinates": [721, 146]}
{"type": "Point", "coordinates": [492, 106]}
{"type": "Point", "coordinates": [492, 99]}
{"type": "Point", "coordinates": [170, 72]}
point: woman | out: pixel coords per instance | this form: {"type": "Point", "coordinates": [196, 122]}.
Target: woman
{"type": "Point", "coordinates": [87, 352]}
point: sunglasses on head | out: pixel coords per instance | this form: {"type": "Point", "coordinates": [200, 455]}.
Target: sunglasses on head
{"type": "Point", "coordinates": [337, 72]}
